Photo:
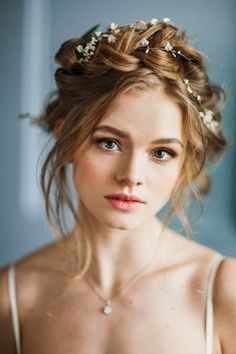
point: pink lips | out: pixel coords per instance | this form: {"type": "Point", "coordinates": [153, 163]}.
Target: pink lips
{"type": "Point", "coordinates": [125, 197]}
{"type": "Point", "coordinates": [124, 202]}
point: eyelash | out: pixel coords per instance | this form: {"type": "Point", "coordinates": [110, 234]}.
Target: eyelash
{"type": "Point", "coordinates": [170, 152]}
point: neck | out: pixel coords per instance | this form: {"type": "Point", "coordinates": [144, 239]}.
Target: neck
{"type": "Point", "coordinates": [117, 255]}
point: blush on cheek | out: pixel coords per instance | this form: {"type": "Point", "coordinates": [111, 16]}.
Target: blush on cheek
{"type": "Point", "coordinates": [88, 171]}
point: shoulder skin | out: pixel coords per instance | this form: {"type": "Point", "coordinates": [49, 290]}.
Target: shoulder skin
{"type": "Point", "coordinates": [7, 340]}
{"type": "Point", "coordinates": [225, 305]}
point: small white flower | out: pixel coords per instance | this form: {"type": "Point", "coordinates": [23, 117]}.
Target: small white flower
{"type": "Point", "coordinates": [80, 48]}
{"type": "Point", "coordinates": [189, 89]}
{"type": "Point", "coordinates": [207, 116]}
{"type": "Point", "coordinates": [214, 126]}
{"type": "Point", "coordinates": [98, 34]}
{"type": "Point", "coordinates": [208, 119]}
{"type": "Point", "coordinates": [154, 21]}
{"type": "Point", "coordinates": [111, 38]}
{"type": "Point", "coordinates": [141, 25]}
{"type": "Point", "coordinates": [144, 42]}
{"type": "Point", "coordinates": [198, 97]}
{"type": "Point", "coordinates": [93, 40]}
{"type": "Point", "coordinates": [113, 26]}
{"type": "Point", "coordinates": [166, 20]}
{"type": "Point", "coordinates": [84, 59]}
{"type": "Point", "coordinates": [168, 47]}
{"type": "Point", "coordinates": [88, 47]}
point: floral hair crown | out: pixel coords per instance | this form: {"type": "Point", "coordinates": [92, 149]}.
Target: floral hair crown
{"type": "Point", "coordinates": [91, 38]}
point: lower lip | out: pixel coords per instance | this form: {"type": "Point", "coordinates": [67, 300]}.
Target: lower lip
{"type": "Point", "coordinates": [124, 204]}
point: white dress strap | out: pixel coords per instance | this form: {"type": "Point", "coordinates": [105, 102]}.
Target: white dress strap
{"type": "Point", "coordinates": [209, 313]}
{"type": "Point", "coordinates": [13, 306]}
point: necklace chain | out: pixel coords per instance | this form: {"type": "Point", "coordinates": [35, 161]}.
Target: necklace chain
{"type": "Point", "coordinates": [107, 309]}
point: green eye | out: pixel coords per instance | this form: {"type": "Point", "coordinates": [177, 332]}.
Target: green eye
{"type": "Point", "coordinates": [107, 144]}
{"type": "Point", "coordinates": [163, 154]}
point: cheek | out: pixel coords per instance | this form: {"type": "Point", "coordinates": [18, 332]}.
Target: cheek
{"type": "Point", "coordinates": [173, 175]}
{"type": "Point", "coordinates": [89, 171]}
{"type": "Point", "coordinates": [166, 180]}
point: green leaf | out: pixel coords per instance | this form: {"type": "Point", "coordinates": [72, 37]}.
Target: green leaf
{"type": "Point", "coordinates": [86, 36]}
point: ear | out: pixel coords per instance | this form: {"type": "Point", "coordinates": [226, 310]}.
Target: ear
{"type": "Point", "coordinates": [57, 128]}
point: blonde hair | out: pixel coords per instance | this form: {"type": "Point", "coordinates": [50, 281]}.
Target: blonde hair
{"type": "Point", "coordinates": [85, 91]}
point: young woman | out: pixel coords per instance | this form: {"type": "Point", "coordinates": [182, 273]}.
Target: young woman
{"type": "Point", "coordinates": [137, 121]}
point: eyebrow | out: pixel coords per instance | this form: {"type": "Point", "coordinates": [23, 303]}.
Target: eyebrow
{"type": "Point", "coordinates": [124, 135]}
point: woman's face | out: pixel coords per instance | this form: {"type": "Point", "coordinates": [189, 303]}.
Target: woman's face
{"type": "Point", "coordinates": [137, 149]}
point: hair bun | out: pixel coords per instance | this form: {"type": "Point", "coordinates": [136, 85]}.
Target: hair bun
{"type": "Point", "coordinates": [66, 55]}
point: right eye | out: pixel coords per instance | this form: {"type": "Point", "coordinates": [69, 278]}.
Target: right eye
{"type": "Point", "coordinates": [106, 143]}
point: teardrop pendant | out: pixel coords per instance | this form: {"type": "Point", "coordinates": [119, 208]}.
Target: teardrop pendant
{"type": "Point", "coordinates": [107, 309]}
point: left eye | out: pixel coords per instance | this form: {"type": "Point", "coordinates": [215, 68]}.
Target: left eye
{"type": "Point", "coordinates": [107, 144]}
{"type": "Point", "coordinates": [163, 155]}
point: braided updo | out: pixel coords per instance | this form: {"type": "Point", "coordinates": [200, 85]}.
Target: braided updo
{"type": "Point", "coordinates": [120, 61]}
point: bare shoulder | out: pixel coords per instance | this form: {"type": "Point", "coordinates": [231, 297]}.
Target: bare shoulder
{"type": "Point", "coordinates": [190, 252]}
{"type": "Point", "coordinates": [34, 273]}
{"type": "Point", "coordinates": [200, 258]}
{"type": "Point", "coordinates": [225, 304]}
{"type": "Point", "coordinates": [7, 343]}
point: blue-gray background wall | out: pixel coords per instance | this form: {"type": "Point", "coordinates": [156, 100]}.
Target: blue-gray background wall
{"type": "Point", "coordinates": [30, 33]}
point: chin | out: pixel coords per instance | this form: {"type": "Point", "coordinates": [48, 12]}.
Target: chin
{"type": "Point", "coordinates": [123, 225]}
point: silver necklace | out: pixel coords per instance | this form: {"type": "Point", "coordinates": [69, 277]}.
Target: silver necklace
{"type": "Point", "coordinates": [107, 306]}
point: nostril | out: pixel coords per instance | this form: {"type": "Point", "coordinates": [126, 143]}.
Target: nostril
{"type": "Point", "coordinates": [129, 180]}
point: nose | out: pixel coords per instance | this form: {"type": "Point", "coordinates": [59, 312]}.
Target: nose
{"type": "Point", "coordinates": [131, 170]}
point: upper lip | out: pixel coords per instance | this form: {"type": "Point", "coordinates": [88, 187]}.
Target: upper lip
{"type": "Point", "coordinates": [126, 197]}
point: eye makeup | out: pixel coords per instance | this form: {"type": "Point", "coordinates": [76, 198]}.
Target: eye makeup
{"type": "Point", "coordinates": [112, 145]}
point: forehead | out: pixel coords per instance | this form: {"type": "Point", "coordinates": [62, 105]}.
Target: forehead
{"type": "Point", "coordinates": [148, 112]}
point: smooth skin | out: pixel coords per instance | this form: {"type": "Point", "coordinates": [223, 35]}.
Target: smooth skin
{"type": "Point", "coordinates": [137, 148]}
